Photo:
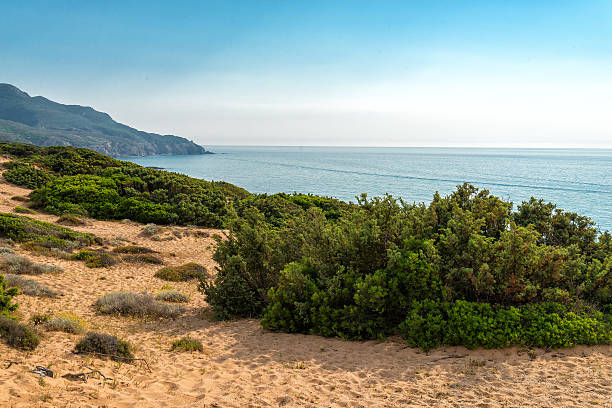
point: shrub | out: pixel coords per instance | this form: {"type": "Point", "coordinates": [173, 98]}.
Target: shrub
{"type": "Point", "coordinates": [39, 318]}
{"type": "Point", "coordinates": [4, 250]}
{"type": "Point", "coordinates": [68, 323]}
{"type": "Point", "coordinates": [23, 210]}
{"type": "Point", "coordinates": [96, 259]}
{"type": "Point", "coordinates": [187, 344]}
{"type": "Point", "coordinates": [430, 324]}
{"type": "Point", "coordinates": [133, 249]}
{"type": "Point", "coordinates": [72, 220]}
{"type": "Point", "coordinates": [151, 230]}
{"type": "Point", "coordinates": [134, 304]}
{"type": "Point", "coordinates": [25, 175]}
{"type": "Point", "coordinates": [181, 273]}
{"type": "Point", "coordinates": [106, 344]}
{"type": "Point", "coordinates": [20, 198]}
{"type": "Point", "coordinates": [143, 258]}
{"type": "Point", "coordinates": [17, 335]}
{"type": "Point", "coordinates": [29, 286]}
{"type": "Point", "coordinates": [6, 298]}
{"type": "Point", "coordinates": [172, 295]}
{"type": "Point", "coordinates": [19, 265]}
{"type": "Point", "coordinates": [39, 234]}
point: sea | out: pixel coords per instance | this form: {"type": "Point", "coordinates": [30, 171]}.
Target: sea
{"type": "Point", "coordinates": [578, 180]}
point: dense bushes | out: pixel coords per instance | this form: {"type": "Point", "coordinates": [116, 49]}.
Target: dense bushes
{"type": "Point", "coordinates": [430, 324]}
{"type": "Point", "coordinates": [26, 175]}
{"type": "Point", "coordinates": [463, 270]}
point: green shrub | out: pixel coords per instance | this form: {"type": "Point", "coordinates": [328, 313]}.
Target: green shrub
{"type": "Point", "coordinates": [23, 210]}
{"type": "Point", "coordinates": [96, 259]}
{"type": "Point", "coordinates": [17, 335]}
{"type": "Point", "coordinates": [173, 296]}
{"type": "Point", "coordinates": [133, 249]}
{"type": "Point", "coordinates": [143, 258]}
{"type": "Point", "coordinates": [38, 234]}
{"type": "Point", "coordinates": [26, 175]}
{"type": "Point", "coordinates": [72, 220]}
{"type": "Point", "coordinates": [68, 323]}
{"type": "Point", "coordinates": [187, 344]}
{"type": "Point", "coordinates": [181, 273]}
{"type": "Point", "coordinates": [29, 286]}
{"type": "Point", "coordinates": [6, 298]}
{"type": "Point", "coordinates": [134, 304]}
{"type": "Point", "coordinates": [100, 343]}
{"type": "Point", "coordinates": [430, 324]}
{"type": "Point", "coordinates": [19, 265]}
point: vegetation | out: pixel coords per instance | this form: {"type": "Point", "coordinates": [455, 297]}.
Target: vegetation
{"type": "Point", "coordinates": [17, 335]}
{"type": "Point", "coordinates": [187, 344]}
{"type": "Point", "coordinates": [6, 298]}
{"type": "Point", "coordinates": [143, 258]}
{"type": "Point", "coordinates": [134, 304]}
{"type": "Point", "coordinates": [181, 273]}
{"type": "Point", "coordinates": [72, 220]}
{"type": "Point", "coordinates": [29, 286]}
{"type": "Point", "coordinates": [101, 343]}
{"type": "Point", "coordinates": [24, 210]}
{"type": "Point", "coordinates": [464, 269]}
{"type": "Point", "coordinates": [42, 236]}
{"type": "Point", "coordinates": [96, 259]}
{"type": "Point", "coordinates": [173, 296]}
{"type": "Point", "coordinates": [133, 249]}
{"type": "Point", "coordinates": [68, 323]}
{"type": "Point", "coordinates": [19, 265]}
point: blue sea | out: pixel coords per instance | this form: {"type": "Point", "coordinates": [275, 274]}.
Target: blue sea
{"type": "Point", "coordinates": [578, 180]}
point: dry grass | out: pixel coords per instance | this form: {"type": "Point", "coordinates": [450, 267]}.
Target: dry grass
{"type": "Point", "coordinates": [135, 304]}
{"type": "Point", "coordinates": [29, 286]}
{"type": "Point", "coordinates": [19, 265]}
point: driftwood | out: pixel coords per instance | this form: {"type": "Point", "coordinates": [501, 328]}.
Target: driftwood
{"type": "Point", "coordinates": [116, 357]}
{"type": "Point", "coordinates": [83, 376]}
{"type": "Point", "coordinates": [43, 371]}
{"type": "Point", "coordinates": [451, 356]}
{"type": "Point", "coordinates": [10, 363]}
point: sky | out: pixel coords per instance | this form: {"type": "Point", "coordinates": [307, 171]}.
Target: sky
{"type": "Point", "coordinates": [344, 73]}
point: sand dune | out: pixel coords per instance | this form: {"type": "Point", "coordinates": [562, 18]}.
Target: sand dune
{"type": "Point", "coordinates": [244, 366]}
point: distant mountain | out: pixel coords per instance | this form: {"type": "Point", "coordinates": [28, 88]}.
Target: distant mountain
{"type": "Point", "coordinates": [42, 122]}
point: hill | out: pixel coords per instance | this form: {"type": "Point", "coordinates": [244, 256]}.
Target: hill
{"type": "Point", "coordinates": [42, 122]}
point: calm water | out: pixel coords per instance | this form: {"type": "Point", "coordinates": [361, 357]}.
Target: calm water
{"type": "Point", "coordinates": [575, 179]}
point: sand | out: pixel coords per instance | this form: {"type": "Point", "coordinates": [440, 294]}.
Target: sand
{"type": "Point", "coordinates": [245, 366]}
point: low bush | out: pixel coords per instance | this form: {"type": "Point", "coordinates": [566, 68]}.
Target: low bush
{"type": "Point", "coordinates": [143, 258]}
{"type": "Point", "coordinates": [135, 304]}
{"type": "Point", "coordinates": [151, 230]}
{"type": "Point", "coordinates": [187, 344]}
{"type": "Point", "coordinates": [39, 235]}
{"type": "Point", "coordinates": [25, 175]}
{"type": "Point", "coordinates": [471, 324]}
{"type": "Point", "coordinates": [173, 296]}
{"type": "Point", "coordinates": [19, 265]}
{"type": "Point", "coordinates": [68, 323]}
{"type": "Point", "coordinates": [96, 259]}
{"type": "Point", "coordinates": [23, 210]}
{"type": "Point", "coordinates": [4, 250]}
{"type": "Point", "coordinates": [6, 298]}
{"type": "Point", "coordinates": [72, 220]}
{"type": "Point", "coordinates": [133, 249]}
{"type": "Point", "coordinates": [23, 199]}
{"type": "Point", "coordinates": [181, 273]}
{"type": "Point", "coordinates": [100, 343]}
{"type": "Point", "coordinates": [29, 286]}
{"type": "Point", "coordinates": [17, 335]}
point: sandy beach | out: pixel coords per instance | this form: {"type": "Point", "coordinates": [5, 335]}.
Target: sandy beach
{"type": "Point", "coordinates": [243, 365]}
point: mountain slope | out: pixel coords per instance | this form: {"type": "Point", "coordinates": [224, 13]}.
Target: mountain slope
{"type": "Point", "coordinates": [42, 122]}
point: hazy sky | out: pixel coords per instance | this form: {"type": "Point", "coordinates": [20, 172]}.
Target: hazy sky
{"type": "Point", "coordinates": [399, 73]}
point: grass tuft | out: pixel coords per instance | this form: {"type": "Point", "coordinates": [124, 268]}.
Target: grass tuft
{"type": "Point", "coordinates": [187, 344]}
{"type": "Point", "coordinates": [135, 304]}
